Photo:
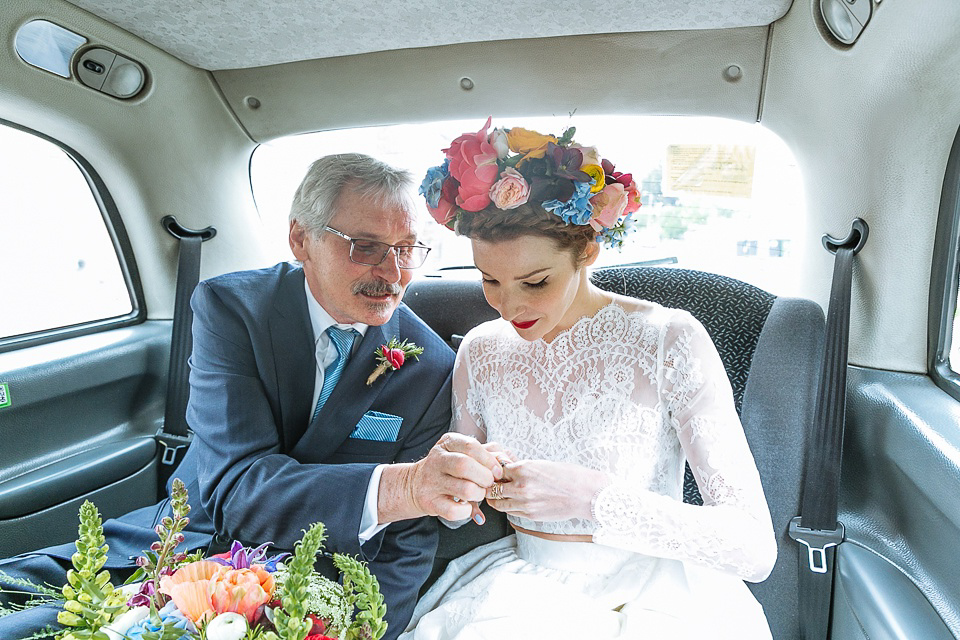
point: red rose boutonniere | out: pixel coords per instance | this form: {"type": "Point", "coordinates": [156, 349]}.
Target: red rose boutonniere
{"type": "Point", "coordinates": [392, 356]}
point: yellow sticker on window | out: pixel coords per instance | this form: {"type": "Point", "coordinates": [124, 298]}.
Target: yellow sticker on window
{"type": "Point", "coordinates": [710, 169]}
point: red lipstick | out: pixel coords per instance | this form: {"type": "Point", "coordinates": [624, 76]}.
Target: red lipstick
{"type": "Point", "coordinates": [524, 325]}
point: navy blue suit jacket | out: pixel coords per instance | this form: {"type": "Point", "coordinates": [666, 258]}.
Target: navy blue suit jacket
{"type": "Point", "coordinates": [264, 469]}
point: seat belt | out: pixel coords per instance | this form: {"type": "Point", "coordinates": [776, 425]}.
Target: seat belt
{"type": "Point", "coordinates": [174, 435]}
{"type": "Point", "coordinates": [816, 529]}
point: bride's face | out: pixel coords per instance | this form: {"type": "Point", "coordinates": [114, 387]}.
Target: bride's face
{"type": "Point", "coordinates": [533, 284]}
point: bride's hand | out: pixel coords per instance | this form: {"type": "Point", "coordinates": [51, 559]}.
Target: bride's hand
{"type": "Point", "coordinates": [544, 490]}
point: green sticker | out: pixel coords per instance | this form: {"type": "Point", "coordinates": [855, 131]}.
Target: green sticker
{"type": "Point", "coordinates": [4, 395]}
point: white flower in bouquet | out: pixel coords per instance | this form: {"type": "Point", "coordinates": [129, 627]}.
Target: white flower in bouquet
{"type": "Point", "coordinates": [227, 626]}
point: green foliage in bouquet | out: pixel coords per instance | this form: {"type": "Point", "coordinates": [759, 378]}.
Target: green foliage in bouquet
{"type": "Point", "coordinates": [363, 591]}
{"type": "Point", "coordinates": [290, 619]}
{"type": "Point", "coordinates": [90, 601]}
{"type": "Point", "coordinates": [161, 556]}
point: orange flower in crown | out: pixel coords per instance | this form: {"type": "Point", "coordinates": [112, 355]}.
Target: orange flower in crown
{"type": "Point", "coordinates": [529, 144]}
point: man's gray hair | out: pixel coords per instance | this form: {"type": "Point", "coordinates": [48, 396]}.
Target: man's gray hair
{"type": "Point", "coordinates": [314, 204]}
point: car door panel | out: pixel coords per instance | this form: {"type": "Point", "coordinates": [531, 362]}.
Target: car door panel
{"type": "Point", "coordinates": [900, 478]}
{"type": "Point", "coordinates": [81, 420]}
{"type": "Point", "coordinates": [875, 600]}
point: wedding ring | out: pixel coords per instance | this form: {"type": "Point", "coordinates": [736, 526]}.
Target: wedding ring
{"type": "Point", "coordinates": [497, 492]}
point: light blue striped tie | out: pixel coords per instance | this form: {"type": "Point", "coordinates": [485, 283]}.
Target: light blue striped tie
{"type": "Point", "coordinates": [343, 341]}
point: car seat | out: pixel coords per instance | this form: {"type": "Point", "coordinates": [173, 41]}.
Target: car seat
{"type": "Point", "coordinates": [771, 348]}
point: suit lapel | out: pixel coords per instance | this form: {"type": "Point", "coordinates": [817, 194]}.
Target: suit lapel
{"type": "Point", "coordinates": [294, 356]}
{"type": "Point", "coordinates": [351, 398]}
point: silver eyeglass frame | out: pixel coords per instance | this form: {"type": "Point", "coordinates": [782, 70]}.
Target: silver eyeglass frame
{"type": "Point", "coordinates": [395, 248]}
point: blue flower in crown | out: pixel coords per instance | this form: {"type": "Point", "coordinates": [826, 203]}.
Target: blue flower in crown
{"type": "Point", "coordinates": [614, 236]}
{"type": "Point", "coordinates": [577, 209]}
{"type": "Point", "coordinates": [432, 184]}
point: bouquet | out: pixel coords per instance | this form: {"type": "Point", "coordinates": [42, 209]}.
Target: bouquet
{"type": "Point", "coordinates": [238, 595]}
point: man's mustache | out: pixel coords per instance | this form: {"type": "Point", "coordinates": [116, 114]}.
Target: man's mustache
{"type": "Point", "coordinates": [377, 288]}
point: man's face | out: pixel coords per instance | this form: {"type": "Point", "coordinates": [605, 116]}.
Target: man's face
{"type": "Point", "coordinates": [348, 291]}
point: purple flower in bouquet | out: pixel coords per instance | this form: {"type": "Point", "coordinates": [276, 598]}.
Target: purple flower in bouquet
{"type": "Point", "coordinates": [241, 557]}
{"type": "Point", "coordinates": [144, 595]}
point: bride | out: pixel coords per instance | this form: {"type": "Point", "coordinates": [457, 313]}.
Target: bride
{"type": "Point", "coordinates": [593, 401]}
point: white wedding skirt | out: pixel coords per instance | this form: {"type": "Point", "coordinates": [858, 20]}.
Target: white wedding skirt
{"type": "Point", "coordinates": [526, 587]}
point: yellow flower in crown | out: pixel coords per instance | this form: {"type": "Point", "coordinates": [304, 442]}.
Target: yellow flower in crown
{"type": "Point", "coordinates": [529, 143]}
{"type": "Point", "coordinates": [596, 174]}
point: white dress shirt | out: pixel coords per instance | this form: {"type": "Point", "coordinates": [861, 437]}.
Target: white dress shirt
{"type": "Point", "coordinates": [326, 353]}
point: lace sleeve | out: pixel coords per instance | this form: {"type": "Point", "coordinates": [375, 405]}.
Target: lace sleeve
{"type": "Point", "coordinates": [465, 399]}
{"type": "Point", "coordinates": [732, 531]}
{"type": "Point", "coordinates": [466, 418]}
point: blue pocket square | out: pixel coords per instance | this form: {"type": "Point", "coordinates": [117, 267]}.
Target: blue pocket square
{"type": "Point", "coordinates": [380, 427]}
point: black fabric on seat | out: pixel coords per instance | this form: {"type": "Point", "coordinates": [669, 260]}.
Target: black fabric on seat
{"type": "Point", "coordinates": [771, 349]}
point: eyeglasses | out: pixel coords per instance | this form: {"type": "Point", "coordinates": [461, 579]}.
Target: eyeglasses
{"type": "Point", "coordinates": [372, 253]}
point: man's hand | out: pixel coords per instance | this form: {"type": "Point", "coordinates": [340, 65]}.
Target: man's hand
{"type": "Point", "coordinates": [456, 472]}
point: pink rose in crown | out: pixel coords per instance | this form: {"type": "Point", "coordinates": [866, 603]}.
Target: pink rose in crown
{"type": "Point", "coordinates": [510, 191]}
{"type": "Point", "coordinates": [395, 357]}
{"type": "Point", "coordinates": [473, 163]}
{"type": "Point", "coordinates": [608, 206]}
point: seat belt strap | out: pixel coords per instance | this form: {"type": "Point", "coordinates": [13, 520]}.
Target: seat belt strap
{"type": "Point", "coordinates": [817, 530]}
{"type": "Point", "coordinates": [174, 436]}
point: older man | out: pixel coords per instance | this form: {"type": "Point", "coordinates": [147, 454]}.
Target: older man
{"type": "Point", "coordinates": [287, 429]}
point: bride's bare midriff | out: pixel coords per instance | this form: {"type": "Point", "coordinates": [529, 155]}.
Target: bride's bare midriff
{"type": "Point", "coordinates": [559, 537]}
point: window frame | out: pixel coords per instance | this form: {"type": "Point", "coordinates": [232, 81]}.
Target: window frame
{"type": "Point", "coordinates": [945, 278]}
{"type": "Point", "coordinates": [121, 244]}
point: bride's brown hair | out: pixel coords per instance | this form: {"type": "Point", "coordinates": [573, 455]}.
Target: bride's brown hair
{"type": "Point", "coordinates": [495, 225]}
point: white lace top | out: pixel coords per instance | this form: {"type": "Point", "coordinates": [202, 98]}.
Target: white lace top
{"type": "Point", "coordinates": [633, 392]}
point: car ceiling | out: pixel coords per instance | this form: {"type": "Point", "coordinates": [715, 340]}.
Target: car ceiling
{"type": "Point", "coordinates": [870, 125]}
{"type": "Point", "coordinates": [233, 34]}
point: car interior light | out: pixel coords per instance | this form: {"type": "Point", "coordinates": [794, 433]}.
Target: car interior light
{"type": "Point", "coordinates": [111, 73]}
{"type": "Point", "coordinates": [125, 78]}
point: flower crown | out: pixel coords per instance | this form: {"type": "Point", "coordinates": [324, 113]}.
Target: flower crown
{"type": "Point", "coordinates": [510, 167]}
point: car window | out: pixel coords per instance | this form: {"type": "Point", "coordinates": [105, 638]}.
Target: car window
{"type": "Point", "coordinates": [58, 263]}
{"type": "Point", "coordinates": [719, 195]}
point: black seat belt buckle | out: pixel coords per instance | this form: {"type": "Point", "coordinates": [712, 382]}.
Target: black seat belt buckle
{"type": "Point", "coordinates": [173, 447]}
{"type": "Point", "coordinates": [817, 541]}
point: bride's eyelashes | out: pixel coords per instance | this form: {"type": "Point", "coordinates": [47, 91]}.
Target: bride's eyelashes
{"type": "Point", "coordinates": [536, 285]}
{"type": "Point", "coordinates": [532, 285]}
